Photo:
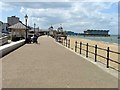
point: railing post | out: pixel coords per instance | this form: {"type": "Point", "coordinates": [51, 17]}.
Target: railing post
{"type": "Point", "coordinates": [69, 44]}
{"type": "Point", "coordinates": [87, 50]}
{"type": "Point", "coordinates": [95, 53]}
{"type": "Point", "coordinates": [80, 47]}
{"type": "Point", "coordinates": [66, 42]}
{"type": "Point", "coordinates": [108, 49]}
{"type": "Point", "coordinates": [76, 46]}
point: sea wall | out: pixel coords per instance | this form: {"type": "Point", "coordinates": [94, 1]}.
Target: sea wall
{"type": "Point", "coordinates": [5, 49]}
{"type": "Point", "coordinates": [3, 40]}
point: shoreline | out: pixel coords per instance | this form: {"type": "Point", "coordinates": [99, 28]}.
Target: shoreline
{"type": "Point", "coordinates": [95, 40]}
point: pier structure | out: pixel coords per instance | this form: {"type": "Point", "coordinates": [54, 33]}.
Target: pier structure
{"type": "Point", "coordinates": [103, 33]}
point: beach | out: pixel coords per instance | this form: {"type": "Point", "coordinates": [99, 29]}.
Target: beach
{"type": "Point", "coordinates": [104, 45]}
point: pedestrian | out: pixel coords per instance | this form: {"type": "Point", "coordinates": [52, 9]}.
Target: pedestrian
{"type": "Point", "coordinates": [29, 39]}
{"type": "Point", "coordinates": [35, 39]}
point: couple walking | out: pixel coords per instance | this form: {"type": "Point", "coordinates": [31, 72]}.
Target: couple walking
{"type": "Point", "coordinates": [33, 39]}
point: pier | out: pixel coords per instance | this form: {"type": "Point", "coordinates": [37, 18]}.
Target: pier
{"type": "Point", "coordinates": [51, 65]}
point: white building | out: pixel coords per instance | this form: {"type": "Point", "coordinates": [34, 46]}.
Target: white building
{"type": "Point", "coordinates": [18, 30]}
{"type": "Point", "coordinates": [1, 26]}
{"type": "Point", "coordinates": [12, 20]}
{"type": "Point", "coordinates": [5, 28]}
{"type": "Point", "coordinates": [60, 29]}
{"type": "Point", "coordinates": [51, 31]}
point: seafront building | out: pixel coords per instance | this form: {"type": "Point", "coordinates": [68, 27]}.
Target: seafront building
{"type": "Point", "coordinates": [60, 29]}
{"type": "Point", "coordinates": [12, 20]}
{"type": "Point", "coordinates": [5, 28]}
{"type": "Point", "coordinates": [18, 30]}
{"type": "Point", "coordinates": [51, 30]}
{"type": "Point", "coordinates": [1, 26]}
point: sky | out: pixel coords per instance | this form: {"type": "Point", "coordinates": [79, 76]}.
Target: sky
{"type": "Point", "coordinates": [74, 16]}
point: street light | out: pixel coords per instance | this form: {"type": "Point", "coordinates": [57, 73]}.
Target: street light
{"type": "Point", "coordinates": [26, 17]}
{"type": "Point", "coordinates": [34, 28]}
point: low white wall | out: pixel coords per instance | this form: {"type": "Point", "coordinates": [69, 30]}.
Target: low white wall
{"type": "Point", "coordinates": [3, 40]}
{"type": "Point", "coordinates": [10, 47]}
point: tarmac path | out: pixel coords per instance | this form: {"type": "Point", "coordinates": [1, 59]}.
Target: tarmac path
{"type": "Point", "coordinates": [49, 65]}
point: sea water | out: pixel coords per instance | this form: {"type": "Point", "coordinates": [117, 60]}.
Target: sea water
{"type": "Point", "coordinates": [112, 39]}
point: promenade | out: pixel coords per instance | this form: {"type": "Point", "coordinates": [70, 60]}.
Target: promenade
{"type": "Point", "coordinates": [50, 65]}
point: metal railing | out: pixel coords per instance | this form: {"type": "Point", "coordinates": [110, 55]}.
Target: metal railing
{"type": "Point", "coordinates": [65, 42]}
{"type": "Point", "coordinates": [79, 46]}
{"type": "Point", "coordinates": [95, 53]}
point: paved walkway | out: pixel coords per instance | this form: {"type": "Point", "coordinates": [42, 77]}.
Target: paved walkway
{"type": "Point", "coordinates": [53, 66]}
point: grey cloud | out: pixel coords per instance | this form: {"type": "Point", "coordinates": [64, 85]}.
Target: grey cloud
{"type": "Point", "coordinates": [44, 5]}
{"type": "Point", "coordinates": [72, 15]}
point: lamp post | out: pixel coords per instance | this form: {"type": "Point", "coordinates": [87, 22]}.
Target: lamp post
{"type": "Point", "coordinates": [26, 17]}
{"type": "Point", "coordinates": [34, 28]}
{"type": "Point", "coordinates": [38, 30]}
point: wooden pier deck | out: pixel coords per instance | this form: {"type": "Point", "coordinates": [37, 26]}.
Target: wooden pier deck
{"type": "Point", "coordinates": [49, 65]}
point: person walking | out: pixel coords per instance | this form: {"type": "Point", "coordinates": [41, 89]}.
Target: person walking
{"type": "Point", "coordinates": [29, 39]}
{"type": "Point", "coordinates": [35, 39]}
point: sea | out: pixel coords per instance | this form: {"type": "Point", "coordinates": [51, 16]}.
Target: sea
{"type": "Point", "coordinates": [113, 39]}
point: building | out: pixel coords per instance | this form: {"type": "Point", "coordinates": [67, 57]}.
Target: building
{"type": "Point", "coordinates": [57, 34]}
{"type": "Point", "coordinates": [1, 26]}
{"type": "Point", "coordinates": [51, 31]}
{"type": "Point", "coordinates": [12, 20]}
{"type": "Point", "coordinates": [5, 28]}
{"type": "Point", "coordinates": [96, 33]}
{"type": "Point", "coordinates": [18, 30]}
{"type": "Point", "coordinates": [60, 29]}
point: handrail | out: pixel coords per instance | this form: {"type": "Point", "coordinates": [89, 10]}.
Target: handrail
{"type": "Point", "coordinates": [108, 51]}
{"type": "Point", "coordinates": [78, 45]}
{"type": "Point", "coordinates": [102, 49]}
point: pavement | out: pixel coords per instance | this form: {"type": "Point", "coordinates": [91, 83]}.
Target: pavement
{"type": "Point", "coordinates": [50, 65]}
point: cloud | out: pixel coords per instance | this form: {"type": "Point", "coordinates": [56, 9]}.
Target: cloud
{"type": "Point", "coordinates": [37, 5]}
{"type": "Point", "coordinates": [4, 7]}
{"type": "Point", "coordinates": [76, 16]}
